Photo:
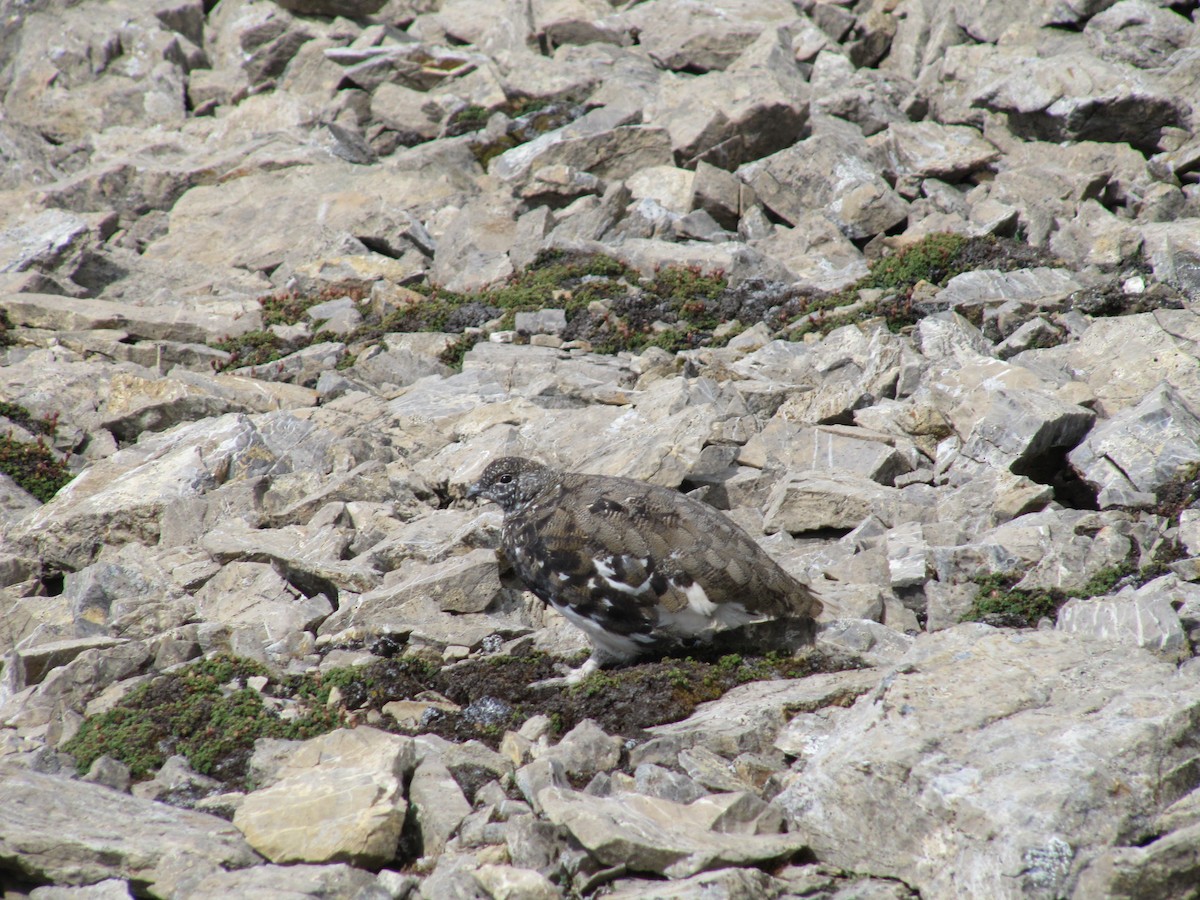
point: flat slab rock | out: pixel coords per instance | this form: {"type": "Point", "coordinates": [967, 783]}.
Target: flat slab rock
{"type": "Point", "coordinates": [1020, 764]}
{"type": "Point", "coordinates": [65, 831]}
{"type": "Point", "coordinates": [652, 835]}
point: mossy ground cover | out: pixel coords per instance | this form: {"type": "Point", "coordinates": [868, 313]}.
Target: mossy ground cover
{"type": "Point", "coordinates": [1000, 603]}
{"type": "Point", "coordinates": [208, 712]}
{"type": "Point", "coordinates": [32, 465]}
{"type": "Point", "coordinates": [678, 308]}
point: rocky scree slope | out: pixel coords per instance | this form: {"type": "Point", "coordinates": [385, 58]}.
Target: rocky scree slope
{"type": "Point", "coordinates": [908, 288]}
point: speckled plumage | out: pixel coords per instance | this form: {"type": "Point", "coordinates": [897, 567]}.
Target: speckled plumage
{"type": "Point", "coordinates": [632, 563]}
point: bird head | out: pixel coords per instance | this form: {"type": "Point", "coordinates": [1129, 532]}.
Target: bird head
{"type": "Point", "coordinates": [512, 482]}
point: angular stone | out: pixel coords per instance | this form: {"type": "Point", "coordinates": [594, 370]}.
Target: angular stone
{"type": "Point", "coordinates": [352, 782]}
{"type": "Point", "coordinates": [811, 502]}
{"type": "Point", "coordinates": [685, 36]}
{"type": "Point", "coordinates": [668, 186]}
{"type": "Point", "coordinates": [815, 253]}
{"type": "Point", "coordinates": [650, 835]}
{"type": "Point", "coordinates": [607, 143]}
{"type": "Point", "coordinates": [729, 118]}
{"type": "Point", "coordinates": [331, 882]}
{"type": "Point", "coordinates": [438, 804]}
{"type": "Point", "coordinates": [1173, 252]}
{"type": "Point", "coordinates": [1077, 97]}
{"type": "Point", "coordinates": [511, 883]}
{"type": "Point", "coordinates": [874, 643]}
{"type": "Point", "coordinates": [956, 724]}
{"type": "Point", "coordinates": [58, 313]}
{"type": "Point", "coordinates": [915, 150]}
{"type": "Point", "coordinates": [126, 494]}
{"type": "Point", "coordinates": [784, 446]}
{"type": "Point", "coordinates": [63, 830]}
{"type": "Point", "coordinates": [1138, 33]}
{"type": "Point", "coordinates": [255, 596]}
{"type": "Point", "coordinates": [747, 718]}
{"type": "Point", "coordinates": [1142, 448]}
{"type": "Point", "coordinates": [586, 750]}
{"type": "Point", "coordinates": [137, 404]}
{"type": "Point", "coordinates": [822, 174]}
{"type": "Point", "coordinates": [1013, 428]}
{"type": "Point", "coordinates": [1040, 286]}
{"type": "Point", "coordinates": [1142, 621]}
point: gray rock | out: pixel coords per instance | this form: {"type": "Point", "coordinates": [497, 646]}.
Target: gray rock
{"type": "Point", "coordinates": [650, 835]}
{"type": "Point", "coordinates": [503, 882]}
{"type": "Point", "coordinates": [438, 804]}
{"type": "Point", "coordinates": [1143, 620]}
{"type": "Point", "coordinates": [784, 446]}
{"type": "Point", "coordinates": [1043, 287]}
{"type": "Point", "coordinates": [729, 118]}
{"type": "Point", "coordinates": [177, 784]}
{"type": "Point", "coordinates": [733, 883]}
{"type": "Point", "coordinates": [920, 150]}
{"type": "Point", "coordinates": [607, 143]}
{"type": "Point", "coordinates": [747, 718]}
{"type": "Point", "coordinates": [1079, 98]}
{"type": "Point", "coordinates": [586, 750]}
{"type": "Point", "coordinates": [255, 597]}
{"type": "Point", "coordinates": [874, 643]}
{"type": "Point", "coordinates": [1138, 33]}
{"type": "Point", "coordinates": [332, 882]}
{"type": "Point", "coordinates": [59, 829]}
{"type": "Point", "coordinates": [1141, 448]}
{"type": "Point", "coordinates": [545, 321]}
{"type": "Point", "coordinates": [966, 704]}
{"type": "Point", "coordinates": [796, 180]}
{"type": "Point", "coordinates": [804, 502]}
{"type": "Point", "coordinates": [60, 313]}
{"type": "Point", "coordinates": [109, 772]}
{"type": "Point", "coordinates": [657, 781]}
{"type": "Point", "coordinates": [109, 889]}
{"type": "Point", "coordinates": [683, 36]}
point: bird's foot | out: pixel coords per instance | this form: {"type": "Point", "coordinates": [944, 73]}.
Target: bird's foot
{"type": "Point", "coordinates": [573, 676]}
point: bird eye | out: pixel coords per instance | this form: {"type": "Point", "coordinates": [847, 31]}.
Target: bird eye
{"type": "Point", "coordinates": [505, 479]}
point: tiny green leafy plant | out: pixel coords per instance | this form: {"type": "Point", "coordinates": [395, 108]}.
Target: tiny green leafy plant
{"type": "Point", "coordinates": [206, 712]}
{"type": "Point", "coordinates": [32, 464]}
{"type": "Point", "coordinates": [998, 602]}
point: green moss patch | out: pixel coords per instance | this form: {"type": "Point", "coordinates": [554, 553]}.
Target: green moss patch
{"type": "Point", "coordinates": [611, 307]}
{"type": "Point", "coordinates": [499, 693]}
{"type": "Point", "coordinates": [206, 712]}
{"type": "Point", "coordinates": [19, 415]}
{"type": "Point", "coordinates": [999, 603]}
{"type": "Point", "coordinates": [32, 465]}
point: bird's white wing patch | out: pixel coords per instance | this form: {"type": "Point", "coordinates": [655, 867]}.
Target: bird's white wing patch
{"type": "Point", "coordinates": [607, 571]}
{"type": "Point", "coordinates": [701, 615]}
{"type": "Point", "coordinates": [698, 600]}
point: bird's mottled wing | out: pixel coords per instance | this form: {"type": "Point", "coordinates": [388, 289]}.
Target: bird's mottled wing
{"type": "Point", "coordinates": [689, 542]}
{"type": "Point", "coordinates": [600, 569]}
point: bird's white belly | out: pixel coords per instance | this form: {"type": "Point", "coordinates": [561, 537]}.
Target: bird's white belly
{"type": "Point", "coordinates": [618, 646]}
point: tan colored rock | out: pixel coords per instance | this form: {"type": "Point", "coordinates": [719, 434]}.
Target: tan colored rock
{"type": "Point", "coordinates": [680, 35]}
{"type": "Point", "coordinates": [808, 501]}
{"type": "Point", "coordinates": [338, 798]}
{"type": "Point", "coordinates": [652, 835]}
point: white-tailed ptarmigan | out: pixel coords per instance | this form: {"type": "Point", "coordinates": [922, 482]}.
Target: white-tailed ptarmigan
{"type": "Point", "coordinates": [633, 564]}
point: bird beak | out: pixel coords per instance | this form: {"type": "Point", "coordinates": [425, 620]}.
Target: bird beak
{"type": "Point", "coordinates": [474, 491]}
